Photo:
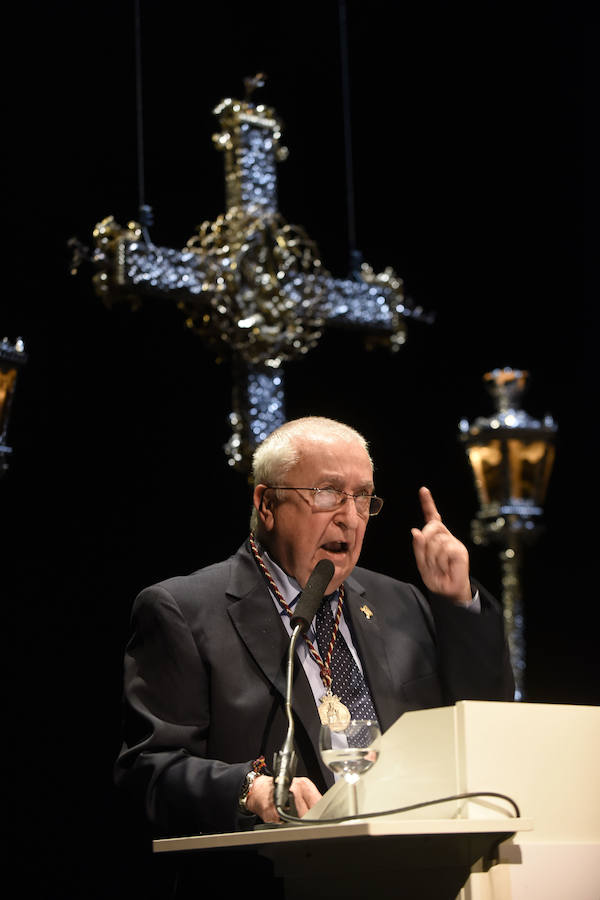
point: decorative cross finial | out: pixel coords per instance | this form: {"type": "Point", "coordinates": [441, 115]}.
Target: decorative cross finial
{"type": "Point", "coordinates": [252, 84]}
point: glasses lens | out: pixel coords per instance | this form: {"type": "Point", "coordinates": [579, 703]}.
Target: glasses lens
{"type": "Point", "coordinates": [375, 505]}
{"type": "Point", "coordinates": [363, 504]}
{"type": "Point", "coordinates": [327, 498]}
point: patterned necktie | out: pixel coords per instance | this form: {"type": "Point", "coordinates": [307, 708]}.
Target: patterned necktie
{"type": "Point", "coordinates": [347, 681]}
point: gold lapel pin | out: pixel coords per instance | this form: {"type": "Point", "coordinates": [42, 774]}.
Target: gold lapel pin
{"type": "Point", "coordinates": [366, 612]}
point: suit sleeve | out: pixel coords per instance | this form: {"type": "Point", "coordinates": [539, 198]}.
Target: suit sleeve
{"type": "Point", "coordinates": [472, 651]}
{"type": "Point", "coordinates": [166, 726]}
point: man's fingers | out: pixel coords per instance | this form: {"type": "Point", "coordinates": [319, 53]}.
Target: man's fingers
{"type": "Point", "coordinates": [442, 560]}
{"type": "Point", "coordinates": [305, 794]}
{"type": "Point", "coordinates": [418, 544]}
{"type": "Point", "coordinates": [435, 548]}
{"type": "Point", "coordinates": [260, 799]}
{"type": "Point", "coordinates": [439, 549]}
{"type": "Point", "coordinates": [430, 512]}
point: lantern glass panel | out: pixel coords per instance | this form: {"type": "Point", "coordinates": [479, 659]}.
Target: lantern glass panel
{"type": "Point", "coordinates": [528, 469]}
{"type": "Point", "coordinates": [8, 379]}
{"type": "Point", "coordinates": [486, 461]}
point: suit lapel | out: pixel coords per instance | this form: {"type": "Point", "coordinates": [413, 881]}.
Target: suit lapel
{"type": "Point", "coordinates": [257, 622]}
{"type": "Point", "coordinates": [371, 645]}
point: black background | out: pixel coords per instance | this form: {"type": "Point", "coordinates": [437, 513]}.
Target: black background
{"type": "Point", "coordinates": [468, 149]}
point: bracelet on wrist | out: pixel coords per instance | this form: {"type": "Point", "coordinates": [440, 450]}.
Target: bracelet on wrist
{"type": "Point", "coordinates": [259, 767]}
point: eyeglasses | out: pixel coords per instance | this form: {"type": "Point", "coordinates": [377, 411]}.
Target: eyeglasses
{"type": "Point", "coordinates": [330, 498]}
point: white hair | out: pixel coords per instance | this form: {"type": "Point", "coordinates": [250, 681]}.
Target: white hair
{"type": "Point", "coordinates": [284, 447]}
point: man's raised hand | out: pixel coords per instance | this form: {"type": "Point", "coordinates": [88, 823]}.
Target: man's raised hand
{"type": "Point", "coordinates": [442, 560]}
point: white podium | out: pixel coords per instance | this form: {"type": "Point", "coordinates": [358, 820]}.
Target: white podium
{"type": "Point", "coordinates": [546, 758]}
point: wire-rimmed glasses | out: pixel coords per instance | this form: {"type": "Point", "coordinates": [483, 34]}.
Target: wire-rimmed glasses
{"type": "Point", "coordinates": [329, 498]}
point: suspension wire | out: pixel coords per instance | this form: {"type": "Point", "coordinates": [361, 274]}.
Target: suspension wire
{"type": "Point", "coordinates": [145, 211]}
{"type": "Point", "coordinates": [355, 257]}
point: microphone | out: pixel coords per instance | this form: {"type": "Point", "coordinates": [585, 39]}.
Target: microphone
{"type": "Point", "coordinates": [284, 763]}
{"type": "Point", "coordinates": [312, 595]}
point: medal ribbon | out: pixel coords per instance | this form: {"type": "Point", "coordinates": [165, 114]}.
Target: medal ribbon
{"type": "Point", "coordinates": [324, 666]}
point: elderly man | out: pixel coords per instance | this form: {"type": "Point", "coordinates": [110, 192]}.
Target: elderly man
{"type": "Point", "coordinates": [205, 665]}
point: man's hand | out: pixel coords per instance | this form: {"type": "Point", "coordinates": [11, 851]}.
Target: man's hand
{"type": "Point", "coordinates": [260, 798]}
{"type": "Point", "coordinates": [441, 558]}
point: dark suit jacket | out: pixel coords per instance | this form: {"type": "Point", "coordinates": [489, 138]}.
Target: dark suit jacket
{"type": "Point", "coordinates": [205, 677]}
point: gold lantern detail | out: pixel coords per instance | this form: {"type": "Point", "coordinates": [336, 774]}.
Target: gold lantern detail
{"type": "Point", "coordinates": [12, 356]}
{"type": "Point", "coordinates": [511, 455]}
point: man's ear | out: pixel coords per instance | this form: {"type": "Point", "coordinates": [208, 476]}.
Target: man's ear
{"type": "Point", "coordinates": [263, 503]}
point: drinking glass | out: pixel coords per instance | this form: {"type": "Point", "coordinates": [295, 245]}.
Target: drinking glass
{"type": "Point", "coordinates": [352, 756]}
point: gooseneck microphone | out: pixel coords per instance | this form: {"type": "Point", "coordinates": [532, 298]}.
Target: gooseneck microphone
{"type": "Point", "coordinates": [310, 598]}
{"type": "Point", "coordinates": [284, 763]}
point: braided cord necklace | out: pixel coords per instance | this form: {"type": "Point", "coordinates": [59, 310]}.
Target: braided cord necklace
{"type": "Point", "coordinates": [331, 711]}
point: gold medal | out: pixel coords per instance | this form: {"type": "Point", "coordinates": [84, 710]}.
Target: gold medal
{"type": "Point", "coordinates": [333, 713]}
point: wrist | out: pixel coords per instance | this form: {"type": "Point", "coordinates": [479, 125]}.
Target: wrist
{"type": "Point", "coordinates": [465, 598]}
{"type": "Point", "coordinates": [259, 767]}
{"type": "Point", "coordinates": [246, 790]}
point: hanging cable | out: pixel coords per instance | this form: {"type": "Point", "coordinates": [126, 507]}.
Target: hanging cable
{"type": "Point", "coordinates": [354, 255]}
{"type": "Point", "coordinates": [146, 215]}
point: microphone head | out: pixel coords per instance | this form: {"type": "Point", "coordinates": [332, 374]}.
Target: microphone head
{"type": "Point", "coordinates": [312, 595]}
{"type": "Point", "coordinates": [320, 576]}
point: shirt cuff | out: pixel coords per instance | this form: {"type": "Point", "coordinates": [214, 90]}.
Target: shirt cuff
{"type": "Point", "coordinates": [475, 604]}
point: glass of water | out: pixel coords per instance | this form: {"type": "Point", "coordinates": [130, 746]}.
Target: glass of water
{"type": "Point", "coordinates": [350, 751]}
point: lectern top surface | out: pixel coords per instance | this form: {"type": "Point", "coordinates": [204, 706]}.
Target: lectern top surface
{"type": "Point", "coordinates": [359, 828]}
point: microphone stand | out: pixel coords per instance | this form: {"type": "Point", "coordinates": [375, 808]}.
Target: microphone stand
{"type": "Point", "coordinates": [285, 760]}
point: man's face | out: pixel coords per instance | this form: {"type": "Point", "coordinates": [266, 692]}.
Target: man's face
{"type": "Point", "coordinates": [297, 534]}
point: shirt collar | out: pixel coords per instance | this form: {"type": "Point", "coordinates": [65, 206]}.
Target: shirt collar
{"type": "Point", "coordinates": [287, 584]}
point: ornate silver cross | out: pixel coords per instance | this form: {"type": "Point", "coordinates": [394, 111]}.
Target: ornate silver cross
{"type": "Point", "coordinates": [249, 283]}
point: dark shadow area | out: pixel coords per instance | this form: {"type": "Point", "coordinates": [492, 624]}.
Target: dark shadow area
{"type": "Point", "coordinates": [467, 128]}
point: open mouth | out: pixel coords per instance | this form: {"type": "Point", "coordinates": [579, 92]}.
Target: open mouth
{"type": "Point", "coordinates": [335, 547]}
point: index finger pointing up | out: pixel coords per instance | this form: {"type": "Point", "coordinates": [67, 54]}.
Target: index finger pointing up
{"type": "Point", "coordinates": [430, 512]}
